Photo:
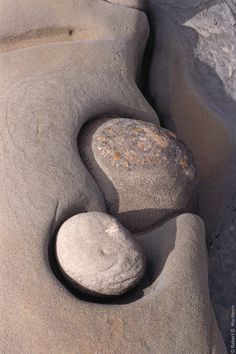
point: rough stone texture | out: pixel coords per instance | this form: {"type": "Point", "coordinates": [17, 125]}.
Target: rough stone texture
{"type": "Point", "coordinates": [144, 172]}
{"type": "Point", "coordinates": [98, 255]}
{"type": "Point", "coordinates": [192, 84]}
{"type": "Point", "coordinates": [48, 89]}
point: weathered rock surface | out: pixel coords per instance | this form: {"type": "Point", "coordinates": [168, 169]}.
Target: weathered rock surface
{"type": "Point", "coordinates": [62, 63]}
{"type": "Point", "coordinates": [136, 4]}
{"type": "Point", "coordinates": [144, 172]}
{"type": "Point", "coordinates": [98, 255]}
{"type": "Point", "coordinates": [193, 86]}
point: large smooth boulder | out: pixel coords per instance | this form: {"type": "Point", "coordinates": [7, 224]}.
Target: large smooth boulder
{"type": "Point", "coordinates": [144, 172]}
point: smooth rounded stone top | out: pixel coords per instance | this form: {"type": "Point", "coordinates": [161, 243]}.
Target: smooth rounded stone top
{"type": "Point", "coordinates": [136, 4]}
{"type": "Point", "coordinates": [145, 173]}
{"type": "Point", "coordinates": [98, 255]}
{"type": "Point", "coordinates": [136, 145]}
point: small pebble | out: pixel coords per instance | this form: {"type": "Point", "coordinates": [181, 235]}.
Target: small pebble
{"type": "Point", "coordinates": [98, 255]}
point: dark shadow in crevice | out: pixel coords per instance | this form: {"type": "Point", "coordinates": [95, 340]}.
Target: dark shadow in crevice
{"type": "Point", "coordinates": [145, 68]}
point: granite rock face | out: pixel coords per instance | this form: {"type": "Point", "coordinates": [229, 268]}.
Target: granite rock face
{"type": "Point", "coordinates": [98, 255]}
{"type": "Point", "coordinates": [63, 63]}
{"type": "Point", "coordinates": [144, 172]}
{"type": "Point", "coordinates": [192, 83]}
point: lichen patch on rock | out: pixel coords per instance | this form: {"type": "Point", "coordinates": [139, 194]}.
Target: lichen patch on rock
{"type": "Point", "coordinates": [144, 172]}
{"type": "Point", "coordinates": [134, 144]}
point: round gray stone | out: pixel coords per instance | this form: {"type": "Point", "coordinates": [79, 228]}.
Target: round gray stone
{"type": "Point", "coordinates": [98, 255]}
{"type": "Point", "coordinates": [144, 172]}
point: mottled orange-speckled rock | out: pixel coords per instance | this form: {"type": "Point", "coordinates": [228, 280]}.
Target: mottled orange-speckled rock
{"type": "Point", "coordinates": [145, 173]}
